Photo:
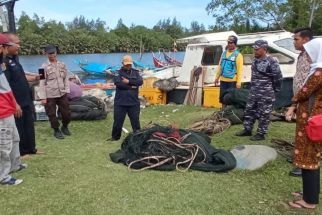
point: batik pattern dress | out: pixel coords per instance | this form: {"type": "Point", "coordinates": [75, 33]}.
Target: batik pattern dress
{"type": "Point", "coordinates": [307, 153]}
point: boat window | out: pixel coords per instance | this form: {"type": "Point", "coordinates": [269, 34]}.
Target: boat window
{"type": "Point", "coordinates": [247, 52]}
{"type": "Point", "coordinates": [211, 55]}
{"type": "Point", "coordinates": [287, 44]}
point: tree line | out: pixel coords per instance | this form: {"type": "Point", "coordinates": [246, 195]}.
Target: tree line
{"type": "Point", "coordinates": [83, 35]}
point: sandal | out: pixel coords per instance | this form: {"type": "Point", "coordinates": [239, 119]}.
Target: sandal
{"type": "Point", "coordinates": [297, 194]}
{"type": "Point", "coordinates": [299, 204]}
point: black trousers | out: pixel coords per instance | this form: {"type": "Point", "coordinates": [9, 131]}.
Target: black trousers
{"type": "Point", "coordinates": [224, 86]}
{"type": "Point", "coordinates": [120, 112]}
{"type": "Point", "coordinates": [26, 130]}
{"type": "Point", "coordinates": [311, 185]}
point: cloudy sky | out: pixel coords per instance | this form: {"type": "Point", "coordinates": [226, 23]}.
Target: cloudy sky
{"type": "Point", "coordinates": [139, 12]}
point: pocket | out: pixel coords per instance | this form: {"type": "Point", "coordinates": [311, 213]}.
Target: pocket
{"type": "Point", "coordinates": [5, 138]}
{"type": "Point", "coordinates": [51, 75]}
{"type": "Point", "coordinates": [62, 73]}
{"type": "Point", "coordinates": [262, 67]}
{"type": "Point", "coordinates": [6, 133]}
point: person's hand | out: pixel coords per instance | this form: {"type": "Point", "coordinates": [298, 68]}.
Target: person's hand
{"type": "Point", "coordinates": [289, 113]}
{"type": "Point", "coordinates": [238, 86]}
{"type": "Point", "coordinates": [43, 101]}
{"type": "Point", "coordinates": [37, 77]}
{"type": "Point", "coordinates": [216, 81]}
{"type": "Point", "coordinates": [18, 112]}
{"type": "Point", "coordinates": [125, 80]}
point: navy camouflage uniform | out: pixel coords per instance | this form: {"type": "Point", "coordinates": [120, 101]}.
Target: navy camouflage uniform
{"type": "Point", "coordinates": [265, 73]}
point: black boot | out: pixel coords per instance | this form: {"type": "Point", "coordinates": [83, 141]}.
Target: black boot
{"type": "Point", "coordinates": [257, 137]}
{"type": "Point", "coordinates": [244, 133]}
{"type": "Point", "coordinates": [58, 134]}
{"type": "Point", "coordinates": [65, 130]}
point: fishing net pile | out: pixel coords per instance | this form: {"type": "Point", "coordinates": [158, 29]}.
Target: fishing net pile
{"type": "Point", "coordinates": [236, 100]}
{"type": "Point", "coordinates": [168, 148]}
{"type": "Point", "coordinates": [87, 108]}
{"type": "Point", "coordinates": [236, 97]}
{"type": "Point", "coordinates": [166, 84]}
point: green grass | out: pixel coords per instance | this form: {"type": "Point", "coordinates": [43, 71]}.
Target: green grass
{"type": "Point", "coordinates": [76, 176]}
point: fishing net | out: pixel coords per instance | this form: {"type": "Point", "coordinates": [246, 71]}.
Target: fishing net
{"type": "Point", "coordinates": [168, 148]}
{"type": "Point", "coordinates": [236, 97]}
{"type": "Point", "coordinates": [234, 114]}
{"type": "Point", "coordinates": [166, 84]}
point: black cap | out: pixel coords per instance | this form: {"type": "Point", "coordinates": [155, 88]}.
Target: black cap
{"type": "Point", "coordinates": [233, 39]}
{"type": "Point", "coordinates": [260, 44]}
{"type": "Point", "coordinates": [50, 49]}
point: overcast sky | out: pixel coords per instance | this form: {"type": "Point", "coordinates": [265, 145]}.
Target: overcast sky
{"type": "Point", "coordinates": [139, 12]}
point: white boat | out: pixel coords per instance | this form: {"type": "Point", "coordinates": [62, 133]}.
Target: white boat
{"type": "Point", "coordinates": [205, 50]}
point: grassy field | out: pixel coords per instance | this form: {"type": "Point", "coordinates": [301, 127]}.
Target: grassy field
{"type": "Point", "coordinates": [76, 176]}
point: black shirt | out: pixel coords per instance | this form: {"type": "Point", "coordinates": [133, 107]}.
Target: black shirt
{"type": "Point", "coordinates": [18, 81]}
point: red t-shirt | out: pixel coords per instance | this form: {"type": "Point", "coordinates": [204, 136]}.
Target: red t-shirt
{"type": "Point", "coordinates": [7, 100]}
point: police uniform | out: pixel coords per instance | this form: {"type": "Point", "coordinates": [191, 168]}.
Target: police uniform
{"type": "Point", "coordinates": [126, 100]}
{"type": "Point", "coordinates": [265, 73]}
{"type": "Point", "coordinates": [22, 92]}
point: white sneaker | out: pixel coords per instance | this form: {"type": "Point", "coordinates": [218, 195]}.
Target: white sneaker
{"type": "Point", "coordinates": [12, 181]}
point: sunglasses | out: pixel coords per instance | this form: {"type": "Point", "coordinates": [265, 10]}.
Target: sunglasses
{"type": "Point", "coordinates": [230, 42]}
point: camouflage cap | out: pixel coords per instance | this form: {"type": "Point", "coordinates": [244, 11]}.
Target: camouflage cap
{"type": "Point", "coordinates": [260, 44]}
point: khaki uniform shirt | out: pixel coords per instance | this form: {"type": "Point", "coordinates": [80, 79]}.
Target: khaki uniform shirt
{"type": "Point", "coordinates": [56, 82]}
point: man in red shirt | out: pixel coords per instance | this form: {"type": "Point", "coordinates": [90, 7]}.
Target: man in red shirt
{"type": "Point", "coordinates": [9, 137]}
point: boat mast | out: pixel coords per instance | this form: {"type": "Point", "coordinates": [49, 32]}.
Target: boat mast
{"type": "Point", "coordinates": [141, 49]}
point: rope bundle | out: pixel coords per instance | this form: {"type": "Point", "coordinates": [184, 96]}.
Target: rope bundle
{"type": "Point", "coordinates": [284, 147]}
{"type": "Point", "coordinates": [163, 150]}
{"type": "Point", "coordinates": [211, 125]}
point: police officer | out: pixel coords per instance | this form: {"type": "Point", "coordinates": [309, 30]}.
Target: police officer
{"type": "Point", "coordinates": [53, 92]}
{"type": "Point", "coordinates": [22, 92]}
{"type": "Point", "coordinates": [126, 101]}
{"type": "Point", "coordinates": [266, 78]}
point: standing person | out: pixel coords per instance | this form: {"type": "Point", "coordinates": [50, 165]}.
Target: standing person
{"type": "Point", "coordinates": [9, 136]}
{"type": "Point", "coordinates": [230, 68]}
{"type": "Point", "coordinates": [266, 78]}
{"type": "Point", "coordinates": [127, 81]}
{"type": "Point", "coordinates": [307, 154]}
{"type": "Point", "coordinates": [301, 37]}
{"type": "Point", "coordinates": [53, 91]}
{"type": "Point", "coordinates": [22, 92]}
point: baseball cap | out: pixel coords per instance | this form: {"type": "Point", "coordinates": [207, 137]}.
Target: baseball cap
{"type": "Point", "coordinates": [127, 59]}
{"type": "Point", "coordinates": [260, 44]}
{"type": "Point", "coordinates": [4, 40]}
